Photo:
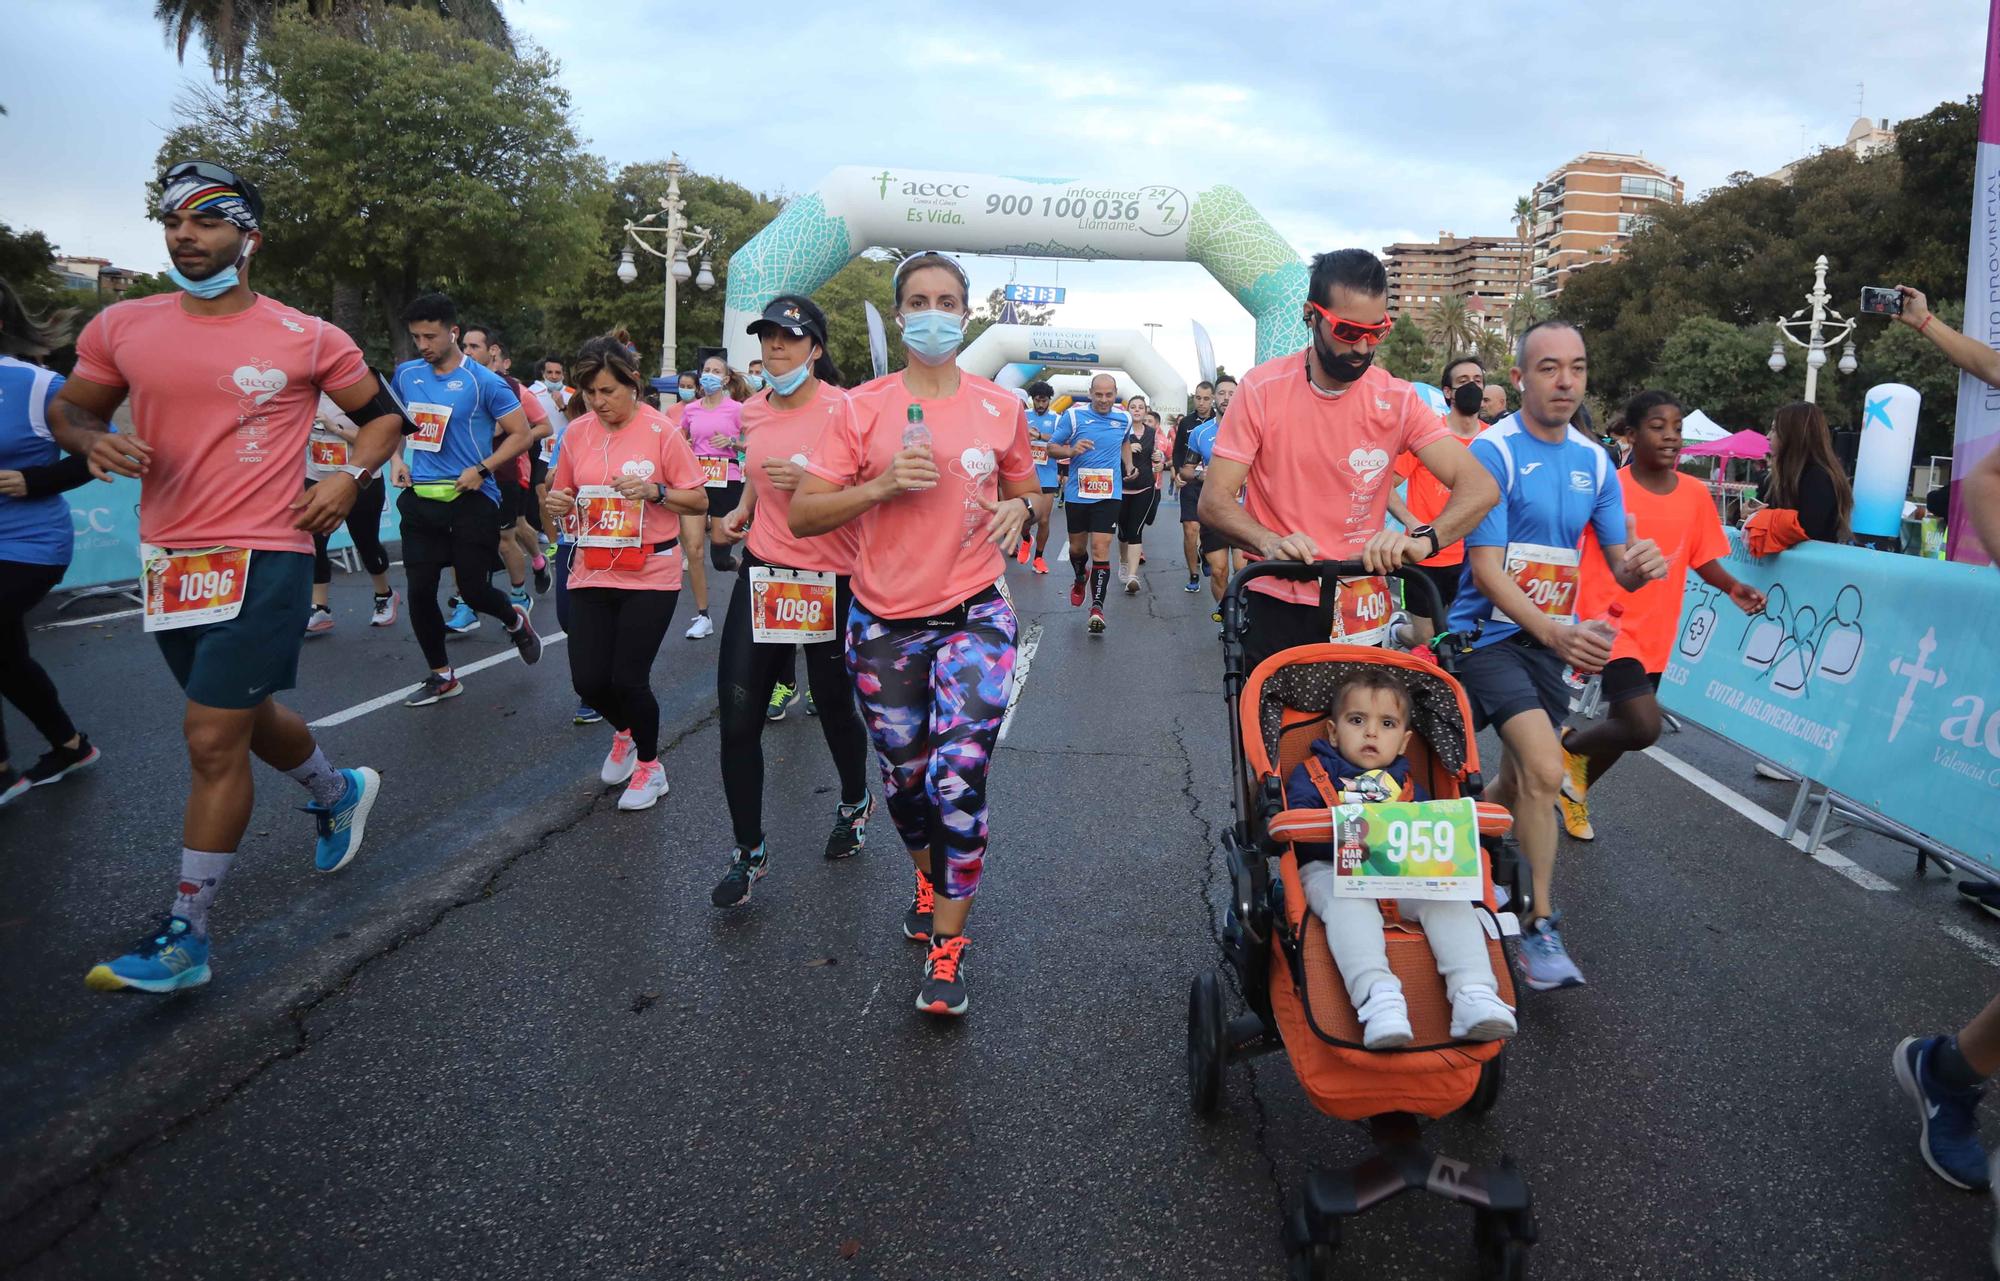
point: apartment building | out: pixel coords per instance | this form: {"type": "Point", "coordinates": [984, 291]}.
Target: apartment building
{"type": "Point", "coordinates": [1487, 271]}
{"type": "Point", "coordinates": [1588, 209]}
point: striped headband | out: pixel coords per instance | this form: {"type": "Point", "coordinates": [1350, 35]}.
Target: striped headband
{"type": "Point", "coordinates": [195, 193]}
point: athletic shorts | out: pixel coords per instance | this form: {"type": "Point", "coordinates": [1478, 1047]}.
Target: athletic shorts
{"type": "Point", "coordinates": [1625, 679]}
{"type": "Point", "coordinates": [239, 663]}
{"type": "Point", "coordinates": [1099, 516]}
{"type": "Point", "coordinates": [513, 504]}
{"type": "Point", "coordinates": [1191, 503]}
{"type": "Point", "coordinates": [1052, 489]}
{"type": "Point", "coordinates": [434, 532]}
{"type": "Point", "coordinates": [1512, 676]}
{"type": "Point", "coordinates": [1212, 541]}
{"type": "Point", "coordinates": [725, 500]}
{"type": "Point", "coordinates": [1134, 510]}
{"type": "Point", "coordinates": [538, 473]}
{"type": "Point", "coordinates": [1443, 577]}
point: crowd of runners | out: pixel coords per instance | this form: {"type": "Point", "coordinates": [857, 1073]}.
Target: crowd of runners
{"type": "Point", "coordinates": [869, 529]}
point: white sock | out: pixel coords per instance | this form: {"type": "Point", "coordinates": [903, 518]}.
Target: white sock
{"type": "Point", "coordinates": [201, 873]}
{"type": "Point", "coordinates": [319, 777]}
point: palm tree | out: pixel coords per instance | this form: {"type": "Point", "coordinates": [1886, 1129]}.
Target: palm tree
{"type": "Point", "coordinates": [1528, 307]}
{"type": "Point", "coordinates": [1524, 214]}
{"type": "Point", "coordinates": [229, 29]}
{"type": "Point", "coordinates": [1452, 327]}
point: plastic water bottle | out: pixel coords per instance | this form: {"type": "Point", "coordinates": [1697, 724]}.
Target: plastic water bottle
{"type": "Point", "coordinates": [915, 434]}
{"type": "Point", "coordinates": [1607, 627]}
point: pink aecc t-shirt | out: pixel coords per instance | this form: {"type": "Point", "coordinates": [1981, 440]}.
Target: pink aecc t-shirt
{"type": "Point", "coordinates": [648, 447]}
{"type": "Point", "coordinates": [926, 551]}
{"type": "Point", "coordinates": [715, 431]}
{"type": "Point", "coordinates": [772, 432]}
{"type": "Point", "coordinates": [227, 403]}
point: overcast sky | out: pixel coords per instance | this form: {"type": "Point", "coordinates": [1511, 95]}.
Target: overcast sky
{"type": "Point", "coordinates": [1344, 124]}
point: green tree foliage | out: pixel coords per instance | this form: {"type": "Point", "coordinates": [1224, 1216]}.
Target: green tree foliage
{"type": "Point", "coordinates": [411, 158]}
{"type": "Point", "coordinates": [232, 30]}
{"type": "Point", "coordinates": [1720, 369]}
{"type": "Point", "coordinates": [1407, 354]}
{"type": "Point", "coordinates": [1902, 355]}
{"type": "Point", "coordinates": [25, 261]}
{"type": "Point", "coordinates": [1452, 326]}
{"type": "Point", "coordinates": [1743, 256]}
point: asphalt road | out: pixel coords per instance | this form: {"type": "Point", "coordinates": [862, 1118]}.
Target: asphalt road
{"type": "Point", "coordinates": [514, 1039]}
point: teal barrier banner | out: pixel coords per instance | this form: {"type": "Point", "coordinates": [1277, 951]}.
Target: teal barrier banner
{"type": "Point", "coordinates": [106, 521]}
{"type": "Point", "coordinates": [1871, 673]}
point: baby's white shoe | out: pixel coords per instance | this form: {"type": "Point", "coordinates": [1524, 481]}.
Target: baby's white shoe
{"type": "Point", "coordinates": [1478, 1014]}
{"type": "Point", "coordinates": [1385, 1017]}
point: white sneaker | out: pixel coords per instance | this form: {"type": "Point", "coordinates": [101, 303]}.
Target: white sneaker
{"type": "Point", "coordinates": [1385, 1018]}
{"type": "Point", "coordinates": [1480, 1015]}
{"type": "Point", "coordinates": [648, 785]}
{"type": "Point", "coordinates": [385, 610]}
{"type": "Point", "coordinates": [700, 627]}
{"type": "Point", "coordinates": [1132, 586]}
{"type": "Point", "coordinates": [621, 761]}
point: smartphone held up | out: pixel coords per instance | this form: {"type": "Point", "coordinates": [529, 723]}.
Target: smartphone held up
{"type": "Point", "coordinates": [1881, 300]}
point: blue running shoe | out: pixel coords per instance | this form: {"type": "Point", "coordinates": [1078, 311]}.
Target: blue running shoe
{"type": "Point", "coordinates": [169, 958]}
{"type": "Point", "coordinates": [519, 596]}
{"type": "Point", "coordinates": [462, 619]}
{"type": "Point", "coordinates": [1545, 963]}
{"type": "Point", "coordinates": [587, 715]}
{"type": "Point", "coordinates": [1947, 1119]}
{"type": "Point", "coordinates": [341, 828]}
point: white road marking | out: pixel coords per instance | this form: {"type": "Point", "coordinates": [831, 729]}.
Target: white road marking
{"type": "Point", "coordinates": [1770, 822]}
{"type": "Point", "coordinates": [870, 1002]}
{"type": "Point", "coordinates": [1987, 950]}
{"type": "Point", "coordinates": [398, 695]}
{"type": "Point", "coordinates": [96, 618]}
{"type": "Point", "coordinates": [1023, 659]}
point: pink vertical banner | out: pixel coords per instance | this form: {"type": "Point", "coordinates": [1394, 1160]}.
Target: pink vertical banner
{"type": "Point", "coordinates": [1979, 404]}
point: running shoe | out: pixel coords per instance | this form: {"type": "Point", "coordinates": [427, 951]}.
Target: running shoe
{"type": "Point", "coordinates": [1096, 621]}
{"type": "Point", "coordinates": [1132, 585]}
{"type": "Point", "coordinates": [1984, 895]}
{"type": "Point", "coordinates": [341, 825]}
{"type": "Point", "coordinates": [13, 784]}
{"type": "Point", "coordinates": [1215, 615]}
{"type": "Point", "coordinates": [525, 638]}
{"type": "Point", "coordinates": [1478, 1014]}
{"type": "Point", "coordinates": [1026, 551]}
{"type": "Point", "coordinates": [1076, 593]}
{"type": "Point", "coordinates": [320, 621]}
{"type": "Point", "coordinates": [812, 708]}
{"type": "Point", "coordinates": [1041, 565]}
{"type": "Point", "coordinates": [462, 618]}
{"type": "Point", "coordinates": [170, 957]}
{"type": "Point", "coordinates": [943, 989]}
{"type": "Point", "coordinates": [1193, 586]}
{"type": "Point", "coordinates": [621, 761]}
{"type": "Point", "coordinates": [519, 598]}
{"type": "Point", "coordinates": [543, 579]}
{"type": "Point", "coordinates": [917, 921]}
{"type": "Point", "coordinates": [745, 870]}
{"type": "Point", "coordinates": [648, 785]}
{"type": "Point", "coordinates": [781, 701]}
{"type": "Point", "coordinates": [384, 614]}
{"type": "Point", "coordinates": [850, 829]}
{"type": "Point", "coordinates": [1545, 963]}
{"type": "Point", "coordinates": [1575, 808]}
{"type": "Point", "coordinates": [586, 715]}
{"type": "Point", "coordinates": [59, 762]}
{"type": "Point", "coordinates": [700, 628]}
{"type": "Point", "coordinates": [1947, 1119]}
{"type": "Point", "coordinates": [436, 688]}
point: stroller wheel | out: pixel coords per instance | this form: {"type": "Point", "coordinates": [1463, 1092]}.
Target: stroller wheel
{"type": "Point", "coordinates": [1207, 1050]}
{"type": "Point", "coordinates": [1309, 1259]}
{"type": "Point", "coordinates": [1492, 1075]}
{"type": "Point", "coordinates": [1501, 1238]}
{"type": "Point", "coordinates": [1313, 1263]}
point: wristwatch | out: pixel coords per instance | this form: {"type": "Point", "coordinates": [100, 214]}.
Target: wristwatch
{"type": "Point", "coordinates": [1426, 531]}
{"type": "Point", "coordinates": [484, 471]}
{"type": "Point", "coordinates": [1029, 503]}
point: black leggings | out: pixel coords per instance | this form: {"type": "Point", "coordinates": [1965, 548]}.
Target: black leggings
{"type": "Point", "coordinates": [614, 636]}
{"type": "Point", "coordinates": [744, 675]}
{"type": "Point", "coordinates": [22, 680]}
{"type": "Point", "coordinates": [364, 526]}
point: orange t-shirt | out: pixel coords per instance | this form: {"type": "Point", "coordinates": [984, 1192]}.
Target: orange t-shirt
{"type": "Point", "coordinates": [1426, 496]}
{"type": "Point", "coordinates": [771, 432]}
{"type": "Point", "coordinates": [925, 551]}
{"type": "Point", "coordinates": [1320, 464]}
{"type": "Point", "coordinates": [648, 447]}
{"type": "Point", "coordinates": [1685, 525]}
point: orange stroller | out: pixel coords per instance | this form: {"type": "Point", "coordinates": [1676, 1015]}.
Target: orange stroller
{"type": "Point", "coordinates": [1285, 971]}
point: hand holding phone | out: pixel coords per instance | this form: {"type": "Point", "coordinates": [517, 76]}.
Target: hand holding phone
{"type": "Point", "coordinates": [1881, 300]}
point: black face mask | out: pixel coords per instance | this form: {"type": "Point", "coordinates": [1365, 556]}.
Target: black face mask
{"type": "Point", "coordinates": [1467, 399]}
{"type": "Point", "coordinates": [1342, 369]}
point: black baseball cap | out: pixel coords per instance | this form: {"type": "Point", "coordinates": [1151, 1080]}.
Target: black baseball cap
{"type": "Point", "coordinates": [795, 313]}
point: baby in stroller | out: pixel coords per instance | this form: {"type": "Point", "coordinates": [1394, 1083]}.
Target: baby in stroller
{"type": "Point", "coordinates": [1366, 761]}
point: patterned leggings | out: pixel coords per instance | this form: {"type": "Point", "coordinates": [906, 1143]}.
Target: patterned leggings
{"type": "Point", "coordinates": [933, 691]}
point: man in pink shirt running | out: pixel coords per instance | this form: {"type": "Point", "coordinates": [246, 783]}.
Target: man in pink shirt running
{"type": "Point", "coordinates": [224, 386]}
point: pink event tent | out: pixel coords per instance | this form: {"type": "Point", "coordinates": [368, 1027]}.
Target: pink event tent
{"type": "Point", "coordinates": [1744, 444]}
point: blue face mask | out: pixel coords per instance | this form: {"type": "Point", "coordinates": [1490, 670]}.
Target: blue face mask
{"type": "Point", "coordinates": [786, 384]}
{"type": "Point", "coordinates": [687, 393]}
{"type": "Point", "coordinates": [756, 381]}
{"type": "Point", "coordinates": [214, 287]}
{"type": "Point", "coordinates": [710, 384]}
{"type": "Point", "coordinates": [932, 336]}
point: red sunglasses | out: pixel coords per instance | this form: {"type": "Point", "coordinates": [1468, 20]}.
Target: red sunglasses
{"type": "Point", "coordinates": [1349, 331]}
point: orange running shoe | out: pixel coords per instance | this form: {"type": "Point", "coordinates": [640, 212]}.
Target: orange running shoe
{"type": "Point", "coordinates": [1027, 550]}
{"type": "Point", "coordinates": [917, 921]}
{"type": "Point", "coordinates": [1041, 566]}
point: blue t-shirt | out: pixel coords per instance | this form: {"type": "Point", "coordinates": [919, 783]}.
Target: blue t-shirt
{"type": "Point", "coordinates": [33, 531]}
{"type": "Point", "coordinates": [1548, 494]}
{"type": "Point", "coordinates": [1201, 440]}
{"type": "Point", "coordinates": [477, 398]}
{"type": "Point", "coordinates": [1045, 425]}
{"type": "Point", "coordinates": [1106, 434]}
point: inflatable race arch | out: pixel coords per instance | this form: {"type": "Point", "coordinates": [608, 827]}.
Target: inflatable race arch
{"type": "Point", "coordinates": [1012, 355]}
{"type": "Point", "coordinates": [855, 208]}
